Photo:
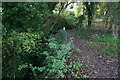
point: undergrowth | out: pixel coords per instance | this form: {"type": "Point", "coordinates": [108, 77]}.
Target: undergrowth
{"type": "Point", "coordinates": [54, 65]}
{"type": "Point", "coordinates": [109, 45]}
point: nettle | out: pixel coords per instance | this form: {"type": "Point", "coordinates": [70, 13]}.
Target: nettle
{"type": "Point", "coordinates": [54, 65]}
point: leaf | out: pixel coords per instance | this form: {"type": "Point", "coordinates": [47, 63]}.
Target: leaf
{"type": "Point", "coordinates": [84, 76]}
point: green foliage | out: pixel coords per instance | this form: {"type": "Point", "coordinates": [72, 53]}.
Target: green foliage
{"type": "Point", "coordinates": [90, 11]}
{"type": "Point", "coordinates": [75, 69]}
{"type": "Point", "coordinates": [105, 39]}
{"type": "Point", "coordinates": [80, 20]}
{"type": "Point", "coordinates": [62, 35]}
{"type": "Point", "coordinates": [108, 13]}
{"type": "Point", "coordinates": [113, 12]}
{"type": "Point", "coordinates": [70, 18]}
{"type": "Point", "coordinates": [84, 33]}
{"type": "Point", "coordinates": [79, 10]}
{"type": "Point", "coordinates": [19, 48]}
{"type": "Point", "coordinates": [76, 65]}
{"type": "Point", "coordinates": [28, 53]}
{"type": "Point", "coordinates": [26, 47]}
{"type": "Point", "coordinates": [26, 15]}
{"type": "Point", "coordinates": [23, 40]}
{"type": "Point", "coordinates": [60, 23]}
{"type": "Point", "coordinates": [110, 45]}
{"type": "Point", "coordinates": [54, 63]}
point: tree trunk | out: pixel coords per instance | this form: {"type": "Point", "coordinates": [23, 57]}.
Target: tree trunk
{"type": "Point", "coordinates": [90, 12]}
{"type": "Point", "coordinates": [115, 31]}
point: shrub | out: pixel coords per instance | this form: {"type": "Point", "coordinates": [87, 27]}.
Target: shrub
{"type": "Point", "coordinates": [55, 62]}
{"type": "Point", "coordinates": [30, 55]}
{"type": "Point", "coordinates": [19, 48]}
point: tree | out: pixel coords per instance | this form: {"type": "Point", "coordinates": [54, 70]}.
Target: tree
{"type": "Point", "coordinates": [90, 11]}
{"type": "Point", "coordinates": [22, 16]}
{"type": "Point", "coordinates": [114, 16]}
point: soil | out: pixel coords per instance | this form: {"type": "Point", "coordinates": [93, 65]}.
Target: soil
{"type": "Point", "coordinates": [97, 65]}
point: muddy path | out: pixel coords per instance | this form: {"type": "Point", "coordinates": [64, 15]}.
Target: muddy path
{"type": "Point", "coordinates": [98, 66]}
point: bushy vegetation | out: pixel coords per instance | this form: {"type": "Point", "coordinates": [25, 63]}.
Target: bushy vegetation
{"type": "Point", "coordinates": [20, 48]}
{"type": "Point", "coordinates": [54, 64]}
{"type": "Point", "coordinates": [33, 15]}
{"type": "Point", "coordinates": [47, 56]}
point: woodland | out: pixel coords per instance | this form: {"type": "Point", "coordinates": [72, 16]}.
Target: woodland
{"type": "Point", "coordinates": [60, 40]}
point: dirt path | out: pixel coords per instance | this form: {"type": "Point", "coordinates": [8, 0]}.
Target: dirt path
{"type": "Point", "coordinates": [98, 66]}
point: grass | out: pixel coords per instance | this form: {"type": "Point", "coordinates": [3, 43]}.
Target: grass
{"type": "Point", "coordinates": [87, 33]}
{"type": "Point", "coordinates": [103, 41]}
